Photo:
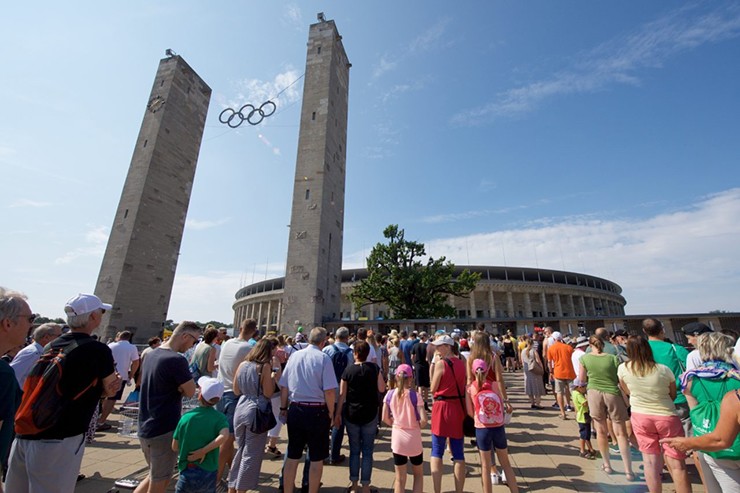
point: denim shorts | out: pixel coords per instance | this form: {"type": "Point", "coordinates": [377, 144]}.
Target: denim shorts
{"type": "Point", "coordinates": [227, 405]}
{"type": "Point", "coordinates": [193, 479]}
{"type": "Point", "coordinates": [487, 438]}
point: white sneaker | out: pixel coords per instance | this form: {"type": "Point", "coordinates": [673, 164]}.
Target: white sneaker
{"type": "Point", "coordinates": [495, 479]}
{"type": "Point", "coordinates": [503, 477]}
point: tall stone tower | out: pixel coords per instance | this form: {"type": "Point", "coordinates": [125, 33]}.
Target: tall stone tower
{"type": "Point", "coordinates": [138, 269]}
{"type": "Point", "coordinates": [313, 273]}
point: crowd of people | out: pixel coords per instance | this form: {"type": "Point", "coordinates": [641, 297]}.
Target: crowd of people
{"type": "Point", "coordinates": [634, 392]}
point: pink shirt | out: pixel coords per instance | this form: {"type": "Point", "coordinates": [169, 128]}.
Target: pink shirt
{"type": "Point", "coordinates": [406, 434]}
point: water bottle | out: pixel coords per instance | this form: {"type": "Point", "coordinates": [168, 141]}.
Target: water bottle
{"type": "Point", "coordinates": [126, 427]}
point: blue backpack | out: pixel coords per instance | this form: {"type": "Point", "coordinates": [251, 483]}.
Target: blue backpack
{"type": "Point", "coordinates": [340, 361]}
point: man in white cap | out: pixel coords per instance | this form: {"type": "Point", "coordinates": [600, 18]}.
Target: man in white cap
{"type": "Point", "coordinates": [561, 366]}
{"type": "Point", "coordinates": [49, 460]}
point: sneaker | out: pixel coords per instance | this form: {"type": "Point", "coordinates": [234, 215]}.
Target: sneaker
{"type": "Point", "coordinates": [614, 449]}
{"type": "Point", "coordinates": [495, 479]}
{"type": "Point", "coordinates": [503, 477]}
{"type": "Point", "coordinates": [556, 406]}
{"type": "Point", "coordinates": [569, 408]}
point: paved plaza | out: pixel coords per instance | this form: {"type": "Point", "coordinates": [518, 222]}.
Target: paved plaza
{"type": "Point", "coordinates": [543, 449]}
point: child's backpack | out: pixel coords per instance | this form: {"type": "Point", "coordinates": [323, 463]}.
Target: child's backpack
{"type": "Point", "coordinates": [490, 408]}
{"type": "Point", "coordinates": [43, 401]}
{"type": "Point", "coordinates": [704, 419]}
{"type": "Point", "coordinates": [414, 401]}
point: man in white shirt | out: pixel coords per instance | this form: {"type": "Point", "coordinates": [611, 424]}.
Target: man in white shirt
{"type": "Point", "coordinates": [126, 358]}
{"type": "Point", "coordinates": [29, 355]}
{"type": "Point", "coordinates": [692, 331]}
{"type": "Point", "coordinates": [362, 336]}
{"type": "Point", "coordinates": [581, 344]}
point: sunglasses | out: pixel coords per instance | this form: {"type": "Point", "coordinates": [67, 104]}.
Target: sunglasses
{"type": "Point", "coordinates": [30, 317]}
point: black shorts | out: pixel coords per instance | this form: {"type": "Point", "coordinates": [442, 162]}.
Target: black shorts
{"type": "Point", "coordinates": [401, 460]}
{"type": "Point", "coordinates": [119, 394]}
{"type": "Point", "coordinates": [421, 375]}
{"type": "Point", "coordinates": [584, 431]}
{"type": "Point", "coordinates": [308, 426]}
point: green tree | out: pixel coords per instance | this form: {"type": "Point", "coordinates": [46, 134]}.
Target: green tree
{"type": "Point", "coordinates": [398, 277]}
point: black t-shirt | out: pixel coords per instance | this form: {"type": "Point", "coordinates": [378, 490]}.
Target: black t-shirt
{"type": "Point", "coordinates": [362, 393]}
{"type": "Point", "coordinates": [160, 401]}
{"type": "Point", "coordinates": [419, 353]}
{"type": "Point", "coordinates": [90, 360]}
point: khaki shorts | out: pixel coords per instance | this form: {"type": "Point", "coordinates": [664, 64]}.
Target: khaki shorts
{"type": "Point", "coordinates": [159, 456]}
{"type": "Point", "coordinates": [561, 386]}
{"type": "Point", "coordinates": [602, 405]}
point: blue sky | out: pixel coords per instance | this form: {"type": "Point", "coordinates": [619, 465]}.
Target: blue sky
{"type": "Point", "coordinates": [596, 137]}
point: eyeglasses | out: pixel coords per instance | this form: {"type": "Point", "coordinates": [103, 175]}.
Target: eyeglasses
{"type": "Point", "coordinates": [30, 317]}
{"type": "Point", "coordinates": [195, 339]}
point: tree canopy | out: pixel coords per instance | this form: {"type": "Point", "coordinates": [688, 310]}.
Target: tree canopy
{"type": "Point", "coordinates": [412, 289]}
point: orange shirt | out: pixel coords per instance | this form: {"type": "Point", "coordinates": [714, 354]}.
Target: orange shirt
{"type": "Point", "coordinates": [560, 354]}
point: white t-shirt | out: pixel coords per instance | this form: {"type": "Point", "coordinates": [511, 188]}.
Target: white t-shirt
{"type": "Point", "coordinates": [575, 358]}
{"type": "Point", "coordinates": [124, 353]}
{"type": "Point", "coordinates": [372, 356]}
{"type": "Point", "coordinates": [233, 352]}
{"type": "Point", "coordinates": [693, 360]}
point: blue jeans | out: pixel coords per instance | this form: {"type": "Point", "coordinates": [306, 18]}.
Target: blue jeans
{"type": "Point", "coordinates": [361, 441]}
{"type": "Point", "coordinates": [337, 436]}
{"type": "Point", "coordinates": [193, 479]}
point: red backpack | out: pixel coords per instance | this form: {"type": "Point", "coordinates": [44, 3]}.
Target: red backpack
{"type": "Point", "coordinates": [43, 400]}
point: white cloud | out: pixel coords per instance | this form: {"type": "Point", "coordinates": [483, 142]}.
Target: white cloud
{"type": "Point", "coordinates": [283, 90]}
{"type": "Point", "coordinates": [29, 203]}
{"type": "Point", "coordinates": [199, 225]}
{"type": "Point", "coordinates": [615, 62]}
{"type": "Point", "coordinates": [292, 16]}
{"type": "Point", "coordinates": [424, 42]}
{"type": "Point", "coordinates": [682, 261]}
{"type": "Point", "coordinates": [95, 242]}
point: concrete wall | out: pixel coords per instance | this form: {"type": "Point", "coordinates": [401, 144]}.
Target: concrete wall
{"type": "Point", "coordinates": [138, 269]}
{"type": "Point", "coordinates": [314, 263]}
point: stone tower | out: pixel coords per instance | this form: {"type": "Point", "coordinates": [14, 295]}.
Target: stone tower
{"type": "Point", "coordinates": [313, 273]}
{"type": "Point", "coordinates": [138, 269]}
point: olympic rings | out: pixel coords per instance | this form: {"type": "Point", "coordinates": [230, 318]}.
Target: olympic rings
{"type": "Point", "coordinates": [248, 113]}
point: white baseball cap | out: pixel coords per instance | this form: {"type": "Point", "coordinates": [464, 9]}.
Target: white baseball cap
{"type": "Point", "coordinates": [210, 388]}
{"type": "Point", "coordinates": [444, 340]}
{"type": "Point", "coordinates": [557, 336]}
{"type": "Point", "coordinates": [84, 303]}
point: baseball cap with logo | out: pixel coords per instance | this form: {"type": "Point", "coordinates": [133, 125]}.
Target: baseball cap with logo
{"type": "Point", "coordinates": [84, 303]}
{"type": "Point", "coordinates": [479, 365]}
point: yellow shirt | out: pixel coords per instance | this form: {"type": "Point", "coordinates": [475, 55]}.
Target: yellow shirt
{"type": "Point", "coordinates": [649, 394]}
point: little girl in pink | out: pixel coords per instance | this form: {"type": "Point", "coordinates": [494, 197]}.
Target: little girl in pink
{"type": "Point", "coordinates": [403, 409]}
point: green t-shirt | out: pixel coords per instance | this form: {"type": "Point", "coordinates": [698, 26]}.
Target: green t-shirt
{"type": "Point", "coordinates": [196, 429]}
{"type": "Point", "coordinates": [581, 404]}
{"type": "Point", "coordinates": [602, 372]}
{"type": "Point", "coordinates": [674, 357]}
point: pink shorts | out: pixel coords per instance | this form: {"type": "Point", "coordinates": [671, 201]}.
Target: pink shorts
{"type": "Point", "coordinates": [650, 429]}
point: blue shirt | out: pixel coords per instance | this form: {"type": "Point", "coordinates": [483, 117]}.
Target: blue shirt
{"type": "Point", "coordinates": [308, 374]}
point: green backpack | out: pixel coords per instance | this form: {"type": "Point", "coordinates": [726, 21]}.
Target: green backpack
{"type": "Point", "coordinates": [704, 419]}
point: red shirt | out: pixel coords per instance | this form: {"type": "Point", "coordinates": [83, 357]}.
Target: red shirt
{"type": "Point", "coordinates": [560, 354]}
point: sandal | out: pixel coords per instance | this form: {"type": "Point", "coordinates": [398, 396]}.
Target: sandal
{"type": "Point", "coordinates": [630, 476]}
{"type": "Point", "coordinates": [607, 469]}
{"type": "Point", "coordinates": [273, 451]}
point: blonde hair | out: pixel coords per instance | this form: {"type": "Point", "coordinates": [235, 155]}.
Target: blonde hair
{"type": "Point", "coordinates": [481, 350]}
{"type": "Point", "coordinates": [401, 384]}
{"type": "Point", "coordinates": [714, 346]}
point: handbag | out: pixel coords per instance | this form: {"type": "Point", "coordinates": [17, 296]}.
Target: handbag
{"type": "Point", "coordinates": [264, 419]}
{"type": "Point", "coordinates": [536, 368]}
{"type": "Point", "coordinates": [468, 422]}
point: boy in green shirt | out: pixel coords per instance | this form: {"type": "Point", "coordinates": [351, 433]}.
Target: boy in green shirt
{"type": "Point", "coordinates": [584, 421]}
{"type": "Point", "coordinates": [197, 438]}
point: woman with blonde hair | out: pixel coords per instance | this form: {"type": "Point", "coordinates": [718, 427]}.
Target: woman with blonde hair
{"type": "Point", "coordinates": [605, 400]}
{"type": "Point", "coordinates": [533, 370]}
{"type": "Point", "coordinates": [703, 386]}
